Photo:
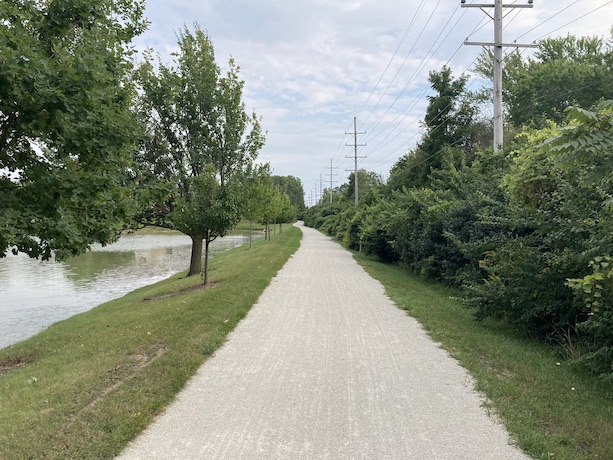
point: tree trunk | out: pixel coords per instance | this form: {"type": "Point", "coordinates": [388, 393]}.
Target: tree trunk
{"type": "Point", "coordinates": [250, 232]}
{"type": "Point", "coordinates": [195, 263]}
{"type": "Point", "coordinates": [207, 241]}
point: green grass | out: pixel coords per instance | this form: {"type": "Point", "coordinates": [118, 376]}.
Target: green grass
{"type": "Point", "coordinates": [86, 386]}
{"type": "Point", "coordinates": [552, 410]}
{"type": "Point", "coordinates": [244, 226]}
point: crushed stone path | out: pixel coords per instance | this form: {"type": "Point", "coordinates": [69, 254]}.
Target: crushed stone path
{"type": "Point", "coordinates": [325, 366]}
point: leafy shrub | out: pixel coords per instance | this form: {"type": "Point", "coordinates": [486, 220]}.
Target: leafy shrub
{"type": "Point", "coordinates": [376, 237]}
{"type": "Point", "coordinates": [596, 290]}
{"type": "Point", "coordinates": [558, 220]}
{"type": "Point", "coordinates": [525, 286]}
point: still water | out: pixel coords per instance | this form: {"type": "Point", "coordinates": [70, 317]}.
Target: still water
{"type": "Point", "coordinates": [35, 294]}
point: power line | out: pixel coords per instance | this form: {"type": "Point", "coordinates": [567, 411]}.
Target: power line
{"type": "Point", "coordinates": [406, 32]}
{"type": "Point", "coordinates": [422, 64]}
{"type": "Point", "coordinates": [332, 175]}
{"type": "Point", "coordinates": [420, 67]}
{"type": "Point", "coordinates": [498, 45]}
{"type": "Point", "coordinates": [391, 128]}
{"type": "Point", "coordinates": [575, 20]}
{"type": "Point", "coordinates": [403, 62]}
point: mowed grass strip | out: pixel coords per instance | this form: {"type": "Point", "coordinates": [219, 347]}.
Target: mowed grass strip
{"type": "Point", "coordinates": [552, 410]}
{"type": "Point", "coordinates": [86, 386]}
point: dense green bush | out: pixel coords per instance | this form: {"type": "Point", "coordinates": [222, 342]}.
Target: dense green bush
{"type": "Point", "coordinates": [371, 232]}
{"type": "Point", "coordinates": [560, 194]}
{"type": "Point", "coordinates": [511, 227]}
{"type": "Point", "coordinates": [596, 290]}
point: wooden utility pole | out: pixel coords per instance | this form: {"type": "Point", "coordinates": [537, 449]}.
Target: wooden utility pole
{"type": "Point", "coordinates": [498, 58]}
{"type": "Point", "coordinates": [355, 146]}
{"type": "Point", "coordinates": [320, 184]}
{"type": "Point", "coordinates": [332, 174]}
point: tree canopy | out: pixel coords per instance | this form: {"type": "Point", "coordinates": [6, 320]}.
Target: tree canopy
{"type": "Point", "coordinates": [450, 124]}
{"type": "Point", "coordinates": [563, 72]}
{"type": "Point", "coordinates": [200, 141]}
{"type": "Point", "coordinates": [293, 187]}
{"type": "Point", "coordinates": [67, 131]}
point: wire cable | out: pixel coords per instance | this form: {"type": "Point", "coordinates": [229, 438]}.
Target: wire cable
{"type": "Point", "coordinates": [406, 32]}
{"type": "Point", "coordinates": [403, 62]}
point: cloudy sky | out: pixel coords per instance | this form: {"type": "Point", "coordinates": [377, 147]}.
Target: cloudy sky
{"type": "Point", "coordinates": [311, 66]}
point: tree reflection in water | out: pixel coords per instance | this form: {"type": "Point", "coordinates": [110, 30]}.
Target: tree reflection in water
{"type": "Point", "coordinates": [35, 294]}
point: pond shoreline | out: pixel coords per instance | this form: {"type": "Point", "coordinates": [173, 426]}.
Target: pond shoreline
{"type": "Point", "coordinates": [36, 294]}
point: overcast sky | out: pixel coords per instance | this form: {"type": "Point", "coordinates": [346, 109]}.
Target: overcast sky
{"type": "Point", "coordinates": [310, 66]}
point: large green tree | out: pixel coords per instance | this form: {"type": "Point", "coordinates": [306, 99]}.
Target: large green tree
{"type": "Point", "coordinates": [67, 132]}
{"type": "Point", "coordinates": [450, 123]}
{"type": "Point", "coordinates": [564, 71]}
{"type": "Point", "coordinates": [198, 132]}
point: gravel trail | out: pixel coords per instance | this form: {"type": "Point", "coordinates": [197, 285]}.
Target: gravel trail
{"type": "Point", "coordinates": [325, 366]}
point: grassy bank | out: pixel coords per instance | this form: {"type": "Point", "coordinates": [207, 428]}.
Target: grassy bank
{"type": "Point", "coordinates": [553, 411]}
{"type": "Point", "coordinates": [87, 385]}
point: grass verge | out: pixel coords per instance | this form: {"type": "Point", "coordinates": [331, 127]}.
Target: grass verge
{"type": "Point", "coordinates": [553, 411]}
{"type": "Point", "coordinates": [86, 386]}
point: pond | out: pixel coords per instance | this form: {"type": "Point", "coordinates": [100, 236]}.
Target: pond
{"type": "Point", "coordinates": [36, 294]}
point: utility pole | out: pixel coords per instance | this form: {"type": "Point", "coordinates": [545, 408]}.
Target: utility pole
{"type": "Point", "coordinates": [332, 174]}
{"type": "Point", "coordinates": [498, 58]}
{"type": "Point", "coordinates": [355, 146]}
{"type": "Point", "coordinates": [320, 183]}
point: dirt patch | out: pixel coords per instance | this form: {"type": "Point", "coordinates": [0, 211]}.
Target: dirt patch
{"type": "Point", "coordinates": [186, 290]}
{"type": "Point", "coordinates": [10, 364]}
{"type": "Point", "coordinates": [142, 360]}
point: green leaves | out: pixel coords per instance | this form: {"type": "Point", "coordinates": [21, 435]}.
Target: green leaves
{"type": "Point", "coordinates": [593, 286]}
{"type": "Point", "coordinates": [451, 124]}
{"type": "Point", "coordinates": [596, 291]}
{"type": "Point", "coordinates": [198, 143]}
{"type": "Point", "coordinates": [207, 210]}
{"type": "Point", "coordinates": [67, 131]}
{"type": "Point", "coordinates": [565, 71]}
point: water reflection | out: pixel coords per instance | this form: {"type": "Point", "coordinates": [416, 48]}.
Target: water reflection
{"type": "Point", "coordinates": [89, 266]}
{"type": "Point", "coordinates": [35, 294]}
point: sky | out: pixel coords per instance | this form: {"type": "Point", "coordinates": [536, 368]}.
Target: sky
{"type": "Point", "coordinates": [311, 66]}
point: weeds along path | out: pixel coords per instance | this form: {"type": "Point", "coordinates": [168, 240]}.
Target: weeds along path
{"type": "Point", "coordinates": [325, 366]}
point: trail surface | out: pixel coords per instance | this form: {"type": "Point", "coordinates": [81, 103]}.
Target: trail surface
{"type": "Point", "coordinates": [325, 366]}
